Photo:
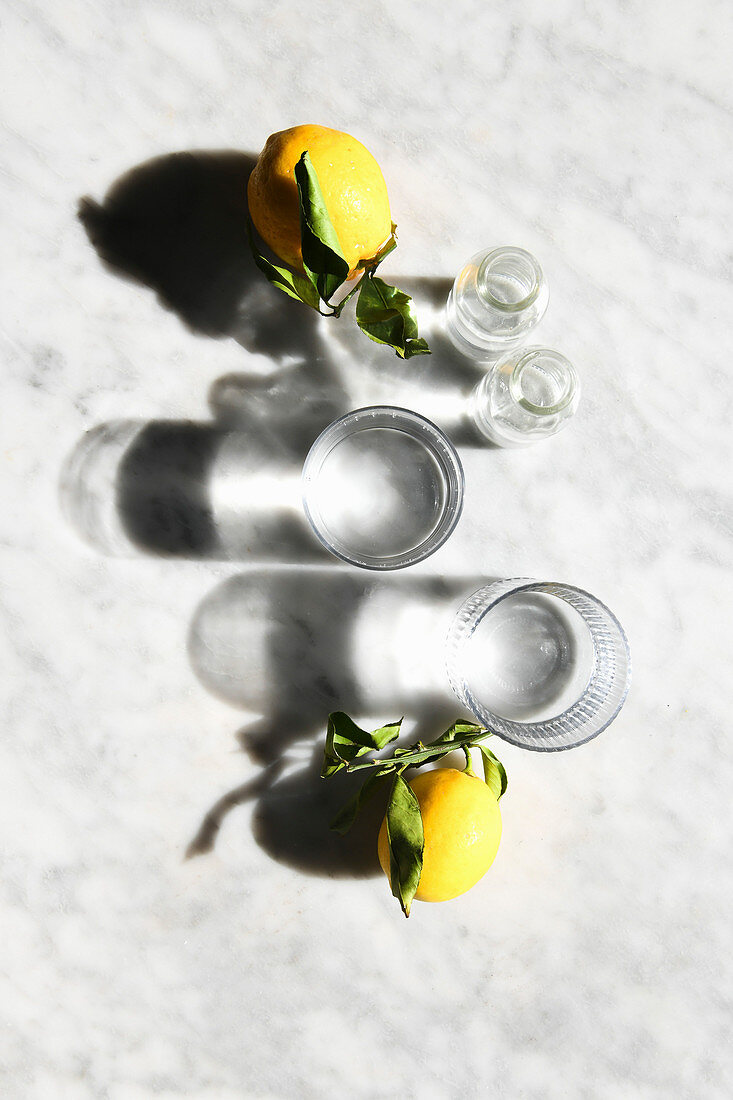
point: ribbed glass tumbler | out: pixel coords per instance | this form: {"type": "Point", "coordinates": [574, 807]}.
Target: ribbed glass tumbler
{"type": "Point", "coordinates": [545, 666]}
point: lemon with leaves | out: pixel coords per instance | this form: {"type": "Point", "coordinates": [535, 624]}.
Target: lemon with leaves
{"type": "Point", "coordinates": [318, 200]}
{"type": "Point", "coordinates": [351, 182]}
{"type": "Point", "coordinates": [461, 824]}
{"type": "Point", "coordinates": [442, 828]}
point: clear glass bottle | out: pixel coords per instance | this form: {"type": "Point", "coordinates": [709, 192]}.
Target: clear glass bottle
{"type": "Point", "coordinates": [496, 300]}
{"type": "Point", "coordinates": [526, 396]}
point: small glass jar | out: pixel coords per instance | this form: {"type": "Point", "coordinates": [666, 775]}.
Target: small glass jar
{"type": "Point", "coordinates": [526, 396]}
{"type": "Point", "coordinates": [496, 301]}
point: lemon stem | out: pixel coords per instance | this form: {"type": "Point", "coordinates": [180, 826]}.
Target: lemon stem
{"type": "Point", "coordinates": [418, 756]}
{"type": "Point", "coordinates": [469, 767]}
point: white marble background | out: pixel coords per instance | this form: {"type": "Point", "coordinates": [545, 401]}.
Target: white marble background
{"type": "Point", "coordinates": [152, 689]}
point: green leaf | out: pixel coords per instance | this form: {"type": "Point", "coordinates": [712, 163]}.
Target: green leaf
{"type": "Point", "coordinates": [385, 314]}
{"type": "Point", "coordinates": [295, 286]}
{"type": "Point", "coordinates": [347, 815]}
{"type": "Point", "coordinates": [458, 734]}
{"type": "Point", "coordinates": [385, 734]}
{"type": "Point", "coordinates": [494, 772]}
{"type": "Point", "coordinates": [460, 731]}
{"type": "Point", "coordinates": [323, 260]}
{"type": "Point", "coordinates": [406, 842]}
{"type": "Point", "coordinates": [345, 741]}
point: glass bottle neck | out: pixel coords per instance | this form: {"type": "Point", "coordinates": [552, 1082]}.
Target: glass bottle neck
{"type": "Point", "coordinates": [509, 280]}
{"type": "Point", "coordinates": [543, 383]}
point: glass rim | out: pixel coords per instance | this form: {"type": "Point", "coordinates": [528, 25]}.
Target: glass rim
{"type": "Point", "coordinates": [537, 277]}
{"type": "Point", "coordinates": [571, 382]}
{"type": "Point", "coordinates": [529, 735]}
{"type": "Point", "coordinates": [434, 440]}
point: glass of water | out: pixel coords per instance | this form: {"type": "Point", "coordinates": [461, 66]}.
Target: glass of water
{"type": "Point", "coordinates": [382, 487]}
{"type": "Point", "coordinates": [545, 666]}
{"type": "Point", "coordinates": [496, 300]}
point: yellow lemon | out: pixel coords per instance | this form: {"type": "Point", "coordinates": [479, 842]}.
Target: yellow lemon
{"type": "Point", "coordinates": [351, 181]}
{"type": "Point", "coordinates": [462, 827]}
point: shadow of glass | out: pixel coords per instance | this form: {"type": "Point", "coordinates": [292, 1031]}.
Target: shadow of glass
{"type": "Point", "coordinates": [229, 489]}
{"type": "Point", "coordinates": [178, 224]}
{"type": "Point", "coordinates": [290, 648]}
{"type": "Point", "coordinates": [289, 407]}
{"type": "Point", "coordinates": [188, 490]}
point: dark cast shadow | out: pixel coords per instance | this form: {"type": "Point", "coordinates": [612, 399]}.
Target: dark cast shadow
{"type": "Point", "coordinates": [180, 489]}
{"type": "Point", "coordinates": [288, 649]}
{"type": "Point", "coordinates": [178, 224]}
{"type": "Point", "coordinates": [285, 646]}
{"type": "Point", "coordinates": [229, 489]}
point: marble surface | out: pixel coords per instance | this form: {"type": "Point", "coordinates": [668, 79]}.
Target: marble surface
{"type": "Point", "coordinates": [177, 921]}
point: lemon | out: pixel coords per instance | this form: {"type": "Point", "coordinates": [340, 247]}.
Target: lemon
{"type": "Point", "coordinates": [351, 181]}
{"type": "Point", "coordinates": [462, 827]}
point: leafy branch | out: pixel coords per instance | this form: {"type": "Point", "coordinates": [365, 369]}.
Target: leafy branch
{"type": "Point", "coordinates": [345, 750]}
{"type": "Point", "coordinates": [384, 313]}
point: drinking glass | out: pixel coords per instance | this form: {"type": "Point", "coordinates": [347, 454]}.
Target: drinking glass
{"type": "Point", "coordinates": [382, 487]}
{"type": "Point", "coordinates": [526, 396]}
{"type": "Point", "coordinates": [496, 300]}
{"type": "Point", "coordinates": [545, 666]}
